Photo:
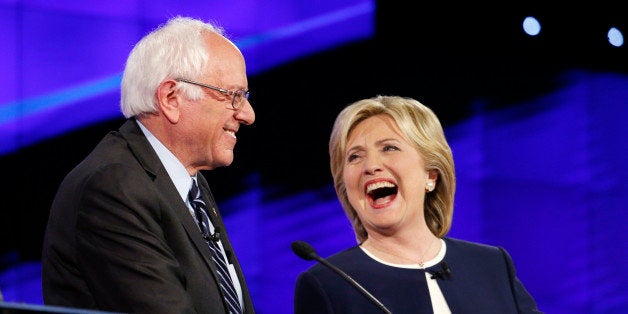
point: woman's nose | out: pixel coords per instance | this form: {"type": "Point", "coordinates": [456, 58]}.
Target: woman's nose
{"type": "Point", "coordinates": [372, 164]}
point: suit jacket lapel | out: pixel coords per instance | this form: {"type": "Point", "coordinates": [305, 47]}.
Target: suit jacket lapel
{"type": "Point", "coordinates": [149, 160]}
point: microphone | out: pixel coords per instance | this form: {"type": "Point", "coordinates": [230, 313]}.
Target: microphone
{"type": "Point", "coordinates": [307, 252]}
{"type": "Point", "coordinates": [215, 238]}
{"type": "Point", "coordinates": [443, 273]}
{"type": "Point", "coordinates": [212, 237]}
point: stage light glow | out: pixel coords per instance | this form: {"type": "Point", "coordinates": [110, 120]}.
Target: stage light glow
{"type": "Point", "coordinates": [531, 26]}
{"type": "Point", "coordinates": [615, 37]}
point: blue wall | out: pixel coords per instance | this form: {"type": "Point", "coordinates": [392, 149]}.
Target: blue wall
{"type": "Point", "coordinates": [61, 60]}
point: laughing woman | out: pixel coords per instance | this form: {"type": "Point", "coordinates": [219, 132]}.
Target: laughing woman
{"type": "Point", "coordinates": [394, 174]}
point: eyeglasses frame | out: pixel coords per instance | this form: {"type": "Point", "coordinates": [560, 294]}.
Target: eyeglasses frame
{"type": "Point", "coordinates": [244, 94]}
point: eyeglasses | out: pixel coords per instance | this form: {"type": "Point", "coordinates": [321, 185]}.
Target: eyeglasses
{"type": "Point", "coordinates": [236, 96]}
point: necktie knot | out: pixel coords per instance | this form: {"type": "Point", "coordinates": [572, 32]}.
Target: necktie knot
{"type": "Point", "coordinates": [200, 210]}
{"type": "Point", "coordinates": [195, 195]}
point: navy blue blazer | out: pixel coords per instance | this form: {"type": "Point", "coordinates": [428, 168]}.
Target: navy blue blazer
{"type": "Point", "coordinates": [482, 280]}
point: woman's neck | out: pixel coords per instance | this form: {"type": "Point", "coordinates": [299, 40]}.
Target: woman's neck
{"type": "Point", "coordinates": [411, 250]}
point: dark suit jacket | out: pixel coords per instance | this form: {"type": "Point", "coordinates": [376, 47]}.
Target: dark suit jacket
{"type": "Point", "coordinates": [120, 238]}
{"type": "Point", "coordinates": [482, 280]}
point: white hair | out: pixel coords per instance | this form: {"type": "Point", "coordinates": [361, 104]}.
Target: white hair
{"type": "Point", "coordinates": [173, 50]}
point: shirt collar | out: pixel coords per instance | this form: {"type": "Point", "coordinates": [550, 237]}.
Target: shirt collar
{"type": "Point", "coordinates": [177, 172]}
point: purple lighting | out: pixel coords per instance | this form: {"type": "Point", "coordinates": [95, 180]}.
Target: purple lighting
{"type": "Point", "coordinates": [63, 60]}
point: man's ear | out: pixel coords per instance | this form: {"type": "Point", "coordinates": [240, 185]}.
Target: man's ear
{"type": "Point", "coordinates": [168, 100]}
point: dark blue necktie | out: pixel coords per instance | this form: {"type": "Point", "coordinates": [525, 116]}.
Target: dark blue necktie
{"type": "Point", "coordinates": [226, 284]}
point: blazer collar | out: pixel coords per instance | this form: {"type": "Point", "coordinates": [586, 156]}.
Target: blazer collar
{"type": "Point", "coordinates": [140, 147]}
{"type": "Point", "coordinates": [148, 159]}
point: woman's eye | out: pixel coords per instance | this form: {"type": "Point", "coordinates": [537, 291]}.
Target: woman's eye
{"type": "Point", "coordinates": [352, 157]}
{"type": "Point", "coordinates": [388, 148]}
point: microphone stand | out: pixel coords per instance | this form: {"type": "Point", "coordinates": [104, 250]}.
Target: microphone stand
{"type": "Point", "coordinates": [353, 283]}
{"type": "Point", "coordinates": [306, 251]}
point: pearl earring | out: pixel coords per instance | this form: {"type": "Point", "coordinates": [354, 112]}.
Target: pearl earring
{"type": "Point", "coordinates": [429, 186]}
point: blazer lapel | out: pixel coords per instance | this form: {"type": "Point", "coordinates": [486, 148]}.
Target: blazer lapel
{"type": "Point", "coordinates": [149, 160]}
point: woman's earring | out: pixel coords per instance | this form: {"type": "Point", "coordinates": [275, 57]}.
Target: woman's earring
{"type": "Point", "coordinates": [429, 186]}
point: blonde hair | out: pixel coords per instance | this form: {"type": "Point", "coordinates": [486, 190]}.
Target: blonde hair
{"type": "Point", "coordinates": [421, 127]}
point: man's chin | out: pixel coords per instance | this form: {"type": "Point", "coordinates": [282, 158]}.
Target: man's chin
{"type": "Point", "coordinates": [224, 160]}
